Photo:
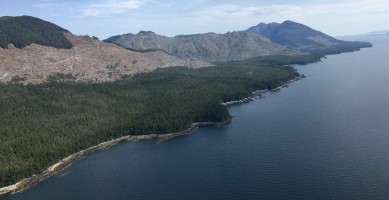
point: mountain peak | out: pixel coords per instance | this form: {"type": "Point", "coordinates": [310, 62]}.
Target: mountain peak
{"type": "Point", "coordinates": [289, 22]}
{"type": "Point", "coordinates": [294, 35]}
{"type": "Point", "coordinates": [301, 37]}
{"type": "Point", "coordinates": [146, 33]}
{"type": "Point", "coordinates": [297, 26]}
{"type": "Point", "coordinates": [263, 28]}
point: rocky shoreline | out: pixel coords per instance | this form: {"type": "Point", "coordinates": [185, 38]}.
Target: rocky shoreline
{"type": "Point", "coordinates": [257, 94]}
{"type": "Point", "coordinates": [66, 162]}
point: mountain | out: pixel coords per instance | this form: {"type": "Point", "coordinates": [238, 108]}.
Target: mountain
{"type": "Point", "coordinates": [33, 55]}
{"type": "Point", "coordinates": [25, 30]}
{"type": "Point", "coordinates": [208, 46]}
{"type": "Point", "coordinates": [263, 29]}
{"type": "Point", "coordinates": [301, 37]}
{"type": "Point", "coordinates": [377, 33]}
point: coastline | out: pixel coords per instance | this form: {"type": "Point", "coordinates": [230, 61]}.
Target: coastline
{"type": "Point", "coordinates": [257, 94]}
{"type": "Point", "coordinates": [68, 161]}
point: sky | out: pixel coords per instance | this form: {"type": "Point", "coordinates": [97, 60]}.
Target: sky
{"type": "Point", "coordinates": [105, 18]}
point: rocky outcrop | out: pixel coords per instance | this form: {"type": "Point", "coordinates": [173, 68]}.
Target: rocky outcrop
{"type": "Point", "coordinates": [208, 47]}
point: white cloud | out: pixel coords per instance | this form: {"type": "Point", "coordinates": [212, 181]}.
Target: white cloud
{"type": "Point", "coordinates": [44, 4]}
{"type": "Point", "coordinates": [313, 8]}
{"type": "Point", "coordinates": [245, 11]}
{"type": "Point", "coordinates": [110, 7]}
{"type": "Point", "coordinates": [334, 16]}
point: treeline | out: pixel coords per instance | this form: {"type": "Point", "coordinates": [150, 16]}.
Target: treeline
{"type": "Point", "coordinates": [278, 60]}
{"type": "Point", "coordinates": [25, 30]}
{"type": "Point", "coordinates": [41, 124]}
{"type": "Point", "coordinates": [341, 48]}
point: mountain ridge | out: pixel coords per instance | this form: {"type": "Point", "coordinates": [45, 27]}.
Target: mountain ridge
{"type": "Point", "coordinates": [286, 38]}
{"type": "Point", "coordinates": [236, 45]}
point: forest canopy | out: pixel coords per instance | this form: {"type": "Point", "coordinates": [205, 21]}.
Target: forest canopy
{"type": "Point", "coordinates": [25, 30]}
{"type": "Point", "coordinates": [41, 124]}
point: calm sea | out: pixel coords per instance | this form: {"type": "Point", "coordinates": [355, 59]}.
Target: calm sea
{"type": "Point", "coordinates": [324, 137]}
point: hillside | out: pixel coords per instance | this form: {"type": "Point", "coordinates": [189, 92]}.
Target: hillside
{"type": "Point", "coordinates": [304, 38]}
{"type": "Point", "coordinates": [89, 60]}
{"type": "Point", "coordinates": [25, 30]}
{"type": "Point", "coordinates": [208, 47]}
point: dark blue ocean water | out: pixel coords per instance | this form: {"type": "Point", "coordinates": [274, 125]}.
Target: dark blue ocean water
{"type": "Point", "coordinates": [324, 137]}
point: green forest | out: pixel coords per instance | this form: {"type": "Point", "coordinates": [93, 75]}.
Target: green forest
{"type": "Point", "coordinates": [25, 30]}
{"type": "Point", "coordinates": [41, 124]}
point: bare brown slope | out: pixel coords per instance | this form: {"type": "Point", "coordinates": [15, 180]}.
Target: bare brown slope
{"type": "Point", "coordinates": [88, 60]}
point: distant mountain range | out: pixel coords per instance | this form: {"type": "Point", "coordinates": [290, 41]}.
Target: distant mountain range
{"type": "Point", "coordinates": [209, 47]}
{"type": "Point", "coordinates": [287, 38]}
{"type": "Point", "coordinates": [32, 49]}
{"type": "Point", "coordinates": [377, 33]}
